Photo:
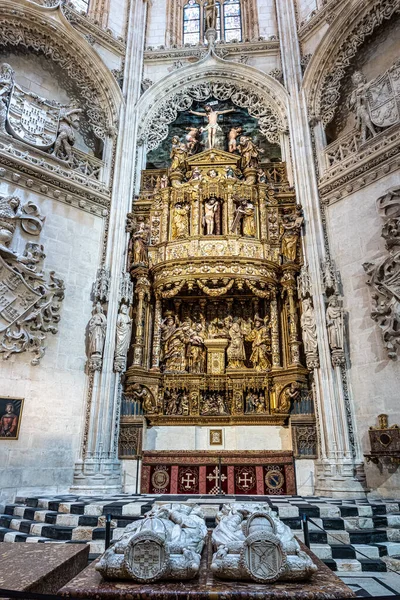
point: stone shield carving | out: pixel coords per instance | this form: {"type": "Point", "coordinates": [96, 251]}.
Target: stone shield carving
{"type": "Point", "coordinates": [262, 557]}
{"type": "Point", "coordinates": [147, 557]}
{"type": "Point", "coordinates": [384, 98]}
{"type": "Point", "coordinates": [32, 119]}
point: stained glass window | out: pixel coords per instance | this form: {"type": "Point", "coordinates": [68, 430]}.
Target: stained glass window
{"type": "Point", "coordinates": [81, 5]}
{"type": "Point", "coordinates": [191, 23]}
{"type": "Point", "coordinates": [232, 22]}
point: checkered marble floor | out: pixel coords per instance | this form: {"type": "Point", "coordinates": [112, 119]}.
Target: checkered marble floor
{"type": "Point", "coordinates": [350, 536]}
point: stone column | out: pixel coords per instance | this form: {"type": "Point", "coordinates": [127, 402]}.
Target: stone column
{"type": "Point", "coordinates": [98, 469]}
{"type": "Point", "coordinates": [338, 458]}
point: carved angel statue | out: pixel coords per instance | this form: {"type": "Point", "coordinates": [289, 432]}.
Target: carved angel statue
{"type": "Point", "coordinates": [261, 338]}
{"type": "Point", "coordinates": [358, 103]}
{"type": "Point", "coordinates": [211, 14]}
{"type": "Point", "coordinates": [178, 155]}
{"type": "Point", "coordinates": [69, 120]}
{"type": "Point", "coordinates": [123, 337]}
{"type": "Point", "coordinates": [140, 242]}
{"type": "Point", "coordinates": [251, 543]}
{"type": "Point", "coordinates": [243, 221]}
{"type": "Point", "coordinates": [180, 221]}
{"type": "Point", "coordinates": [6, 84]}
{"type": "Point", "coordinates": [166, 544]}
{"type": "Point", "coordinates": [212, 117]}
{"type": "Point", "coordinates": [290, 232]}
{"type": "Point", "coordinates": [249, 152]}
{"type": "Point", "coordinates": [334, 323]}
{"type": "Point", "coordinates": [97, 327]}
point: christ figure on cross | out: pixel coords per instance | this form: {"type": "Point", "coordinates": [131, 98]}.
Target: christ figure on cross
{"type": "Point", "coordinates": [212, 118]}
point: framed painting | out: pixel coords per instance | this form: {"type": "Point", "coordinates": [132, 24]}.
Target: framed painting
{"type": "Point", "coordinates": [216, 437]}
{"type": "Point", "coordinates": [10, 417]}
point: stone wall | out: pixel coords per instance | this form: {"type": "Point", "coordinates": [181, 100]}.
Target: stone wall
{"type": "Point", "coordinates": [267, 18]}
{"type": "Point", "coordinates": [54, 391]}
{"type": "Point", "coordinates": [355, 238]}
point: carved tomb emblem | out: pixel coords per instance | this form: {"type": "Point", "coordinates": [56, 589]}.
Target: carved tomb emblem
{"type": "Point", "coordinates": [16, 297]}
{"type": "Point", "coordinates": [146, 557]}
{"type": "Point", "coordinates": [32, 119]}
{"type": "Point", "coordinates": [263, 557]}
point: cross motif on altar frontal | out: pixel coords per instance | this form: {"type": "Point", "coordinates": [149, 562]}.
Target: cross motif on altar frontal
{"type": "Point", "coordinates": [216, 477]}
{"type": "Point", "coordinates": [246, 483]}
{"type": "Point", "coordinates": [187, 482]}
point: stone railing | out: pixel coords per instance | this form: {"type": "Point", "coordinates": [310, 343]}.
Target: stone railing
{"type": "Point", "coordinates": [83, 169]}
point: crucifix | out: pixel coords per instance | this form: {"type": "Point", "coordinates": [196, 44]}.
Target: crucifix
{"type": "Point", "coordinates": [212, 117]}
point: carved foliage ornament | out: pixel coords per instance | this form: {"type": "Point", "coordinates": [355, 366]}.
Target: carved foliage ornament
{"type": "Point", "coordinates": [30, 300]}
{"type": "Point", "coordinates": [330, 88]}
{"type": "Point", "coordinates": [384, 275]}
{"type": "Point", "coordinates": [155, 128]}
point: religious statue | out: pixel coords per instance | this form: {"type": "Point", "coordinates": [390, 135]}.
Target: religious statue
{"type": "Point", "coordinates": [290, 233]}
{"type": "Point", "coordinates": [251, 543]}
{"type": "Point", "coordinates": [166, 544]}
{"type": "Point", "coordinates": [141, 393]}
{"type": "Point", "coordinates": [261, 176]}
{"type": "Point", "coordinates": [180, 221]}
{"type": "Point", "coordinates": [69, 120]}
{"type": "Point", "coordinates": [233, 134]}
{"type": "Point", "coordinates": [196, 175]}
{"type": "Point", "coordinates": [164, 182]}
{"type": "Point", "coordinates": [193, 139]}
{"type": "Point", "coordinates": [230, 173]}
{"type": "Point", "coordinates": [123, 338]}
{"type": "Point", "coordinates": [211, 14]}
{"type": "Point", "coordinates": [179, 156]}
{"type": "Point", "coordinates": [6, 84]}
{"type": "Point", "coordinates": [334, 323]}
{"type": "Point", "coordinates": [309, 328]}
{"type": "Point", "coordinates": [213, 404]}
{"type": "Point", "coordinates": [212, 117]}
{"type": "Point", "coordinates": [235, 352]}
{"type": "Point", "coordinates": [359, 104]}
{"type": "Point", "coordinates": [211, 213]}
{"type": "Point", "coordinates": [140, 242]}
{"type": "Point", "coordinates": [260, 336]}
{"type": "Point", "coordinates": [173, 344]}
{"type": "Point", "coordinates": [249, 153]}
{"type": "Point", "coordinates": [244, 219]}
{"type": "Point", "coordinates": [96, 337]}
{"type": "Point", "coordinates": [172, 402]}
{"type": "Point", "coordinates": [195, 350]}
{"type": "Point", "coordinates": [288, 396]}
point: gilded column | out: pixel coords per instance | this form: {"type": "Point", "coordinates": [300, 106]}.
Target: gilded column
{"type": "Point", "coordinates": [275, 346]}
{"type": "Point", "coordinates": [155, 363]}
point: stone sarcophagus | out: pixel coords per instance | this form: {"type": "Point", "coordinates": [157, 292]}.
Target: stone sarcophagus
{"type": "Point", "coordinates": [166, 544]}
{"type": "Point", "coordinates": [252, 543]}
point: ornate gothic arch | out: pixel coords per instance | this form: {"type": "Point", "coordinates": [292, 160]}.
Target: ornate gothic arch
{"type": "Point", "coordinates": [45, 30]}
{"type": "Point", "coordinates": [328, 65]}
{"type": "Point", "coordinates": [264, 98]}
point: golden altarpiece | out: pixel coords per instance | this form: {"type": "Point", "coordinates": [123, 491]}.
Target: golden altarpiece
{"type": "Point", "coordinates": [214, 255]}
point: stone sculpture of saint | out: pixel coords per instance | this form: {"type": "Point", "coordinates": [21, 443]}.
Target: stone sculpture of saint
{"type": "Point", "coordinates": [334, 323]}
{"type": "Point", "coordinates": [211, 14]}
{"type": "Point", "coordinates": [123, 332]}
{"type": "Point", "coordinates": [179, 156]}
{"type": "Point", "coordinates": [6, 84]}
{"type": "Point", "coordinates": [140, 239]}
{"type": "Point", "coordinates": [358, 103]}
{"type": "Point", "coordinates": [210, 213]}
{"type": "Point", "coordinates": [212, 117]}
{"type": "Point", "coordinates": [180, 222]}
{"type": "Point", "coordinates": [244, 215]}
{"type": "Point", "coordinates": [249, 153]}
{"type": "Point", "coordinates": [260, 336]}
{"type": "Point", "coordinates": [309, 327]}
{"type": "Point", "coordinates": [290, 232]}
{"type": "Point", "coordinates": [97, 332]}
{"type": "Point", "coordinates": [236, 353]}
{"type": "Point", "coordinates": [232, 138]}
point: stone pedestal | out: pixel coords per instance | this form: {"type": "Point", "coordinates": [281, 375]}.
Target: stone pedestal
{"type": "Point", "coordinates": [40, 568]}
{"type": "Point", "coordinates": [216, 356]}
